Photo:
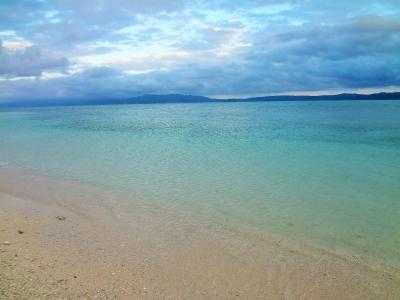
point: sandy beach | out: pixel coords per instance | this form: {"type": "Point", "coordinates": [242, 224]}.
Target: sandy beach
{"type": "Point", "coordinates": [56, 245]}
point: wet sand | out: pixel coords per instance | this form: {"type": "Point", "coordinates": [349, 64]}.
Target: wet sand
{"type": "Point", "coordinates": [61, 239]}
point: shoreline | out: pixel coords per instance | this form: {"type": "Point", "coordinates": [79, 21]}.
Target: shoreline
{"type": "Point", "coordinates": [100, 252]}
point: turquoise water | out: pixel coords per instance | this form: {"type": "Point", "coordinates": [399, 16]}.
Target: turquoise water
{"type": "Point", "coordinates": [323, 172]}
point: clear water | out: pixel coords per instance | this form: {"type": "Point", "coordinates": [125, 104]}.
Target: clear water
{"type": "Point", "coordinates": [323, 172]}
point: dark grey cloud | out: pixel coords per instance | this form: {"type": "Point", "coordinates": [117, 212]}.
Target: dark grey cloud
{"type": "Point", "coordinates": [31, 61]}
{"type": "Point", "coordinates": [360, 52]}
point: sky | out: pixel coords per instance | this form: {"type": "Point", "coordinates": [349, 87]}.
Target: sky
{"type": "Point", "coordinates": [76, 49]}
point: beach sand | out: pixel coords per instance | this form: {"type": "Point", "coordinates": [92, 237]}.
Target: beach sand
{"type": "Point", "coordinates": [62, 239]}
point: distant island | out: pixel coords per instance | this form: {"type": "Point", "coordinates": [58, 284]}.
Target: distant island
{"type": "Point", "coordinates": [180, 98]}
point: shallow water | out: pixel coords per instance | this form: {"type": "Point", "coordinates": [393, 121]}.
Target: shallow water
{"type": "Point", "coordinates": [327, 173]}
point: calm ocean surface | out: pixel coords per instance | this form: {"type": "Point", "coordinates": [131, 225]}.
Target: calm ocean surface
{"type": "Point", "coordinates": [323, 172]}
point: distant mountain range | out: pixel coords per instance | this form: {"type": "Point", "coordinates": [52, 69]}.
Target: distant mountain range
{"type": "Point", "coordinates": [179, 98]}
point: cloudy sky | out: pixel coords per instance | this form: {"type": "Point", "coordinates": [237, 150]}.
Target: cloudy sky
{"type": "Point", "coordinates": [76, 49]}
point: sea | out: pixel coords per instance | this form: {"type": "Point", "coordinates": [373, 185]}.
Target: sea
{"type": "Point", "coordinates": [326, 173]}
